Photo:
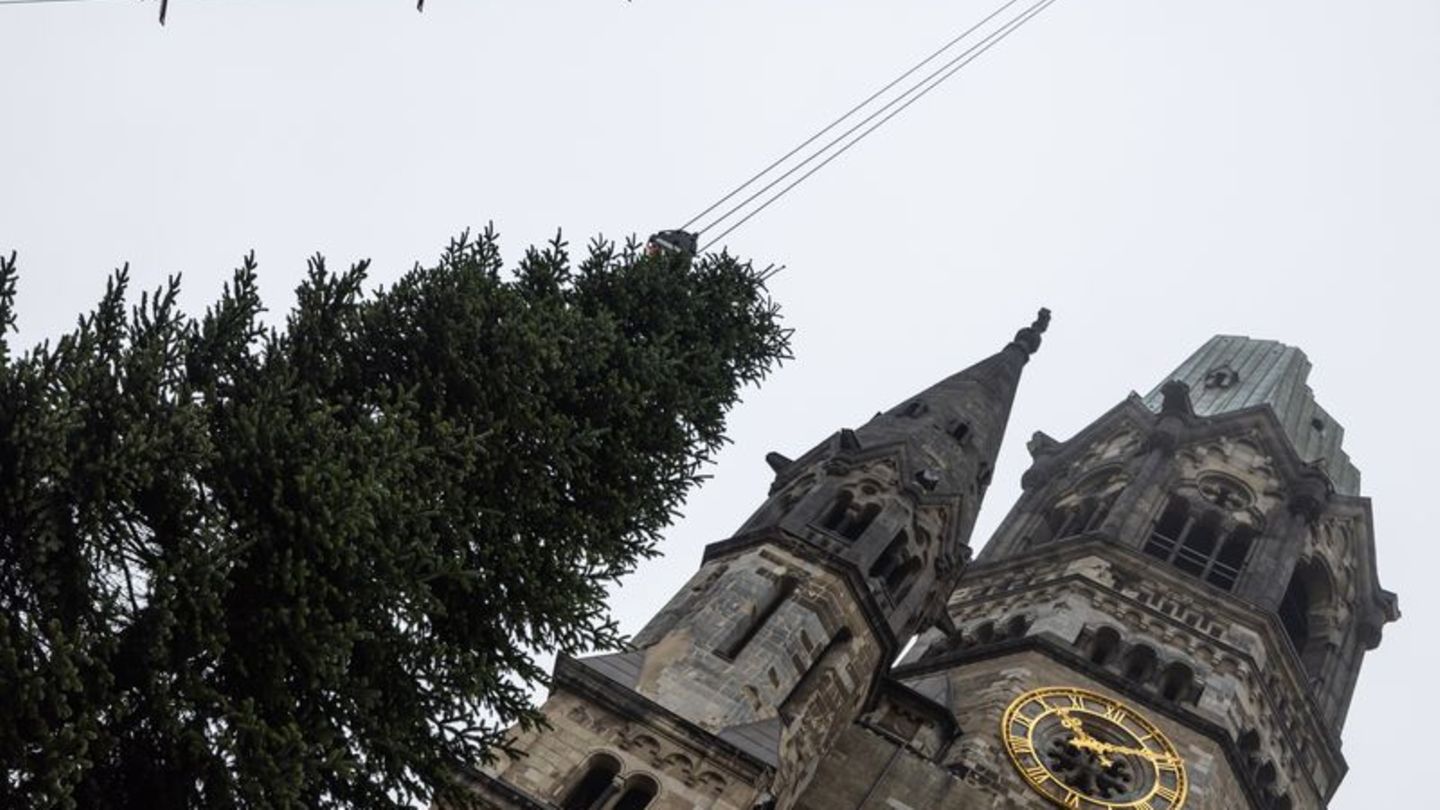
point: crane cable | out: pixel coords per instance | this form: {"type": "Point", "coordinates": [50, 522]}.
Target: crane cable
{"type": "Point", "coordinates": [894, 107]}
{"type": "Point", "coordinates": [857, 108]}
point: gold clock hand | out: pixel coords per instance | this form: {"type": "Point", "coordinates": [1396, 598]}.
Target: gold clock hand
{"type": "Point", "coordinates": [1157, 758]}
{"type": "Point", "coordinates": [1081, 739]}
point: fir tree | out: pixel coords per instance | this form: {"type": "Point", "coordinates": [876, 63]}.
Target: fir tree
{"type": "Point", "coordinates": [244, 567]}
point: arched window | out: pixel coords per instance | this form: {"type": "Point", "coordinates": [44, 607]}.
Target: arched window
{"type": "Point", "coordinates": [891, 560]}
{"type": "Point", "coordinates": [1302, 612]}
{"type": "Point", "coordinates": [845, 519]}
{"type": "Point", "coordinates": [836, 515]}
{"type": "Point", "coordinates": [1225, 571]}
{"type": "Point", "coordinates": [639, 791]}
{"type": "Point", "coordinates": [1016, 627]}
{"type": "Point", "coordinates": [903, 579]}
{"type": "Point", "coordinates": [1295, 612]}
{"type": "Point", "coordinates": [1249, 743]}
{"type": "Point", "coordinates": [854, 528]}
{"type": "Point", "coordinates": [1176, 682]}
{"type": "Point", "coordinates": [1073, 519]}
{"type": "Point", "coordinates": [1103, 646]}
{"type": "Point", "coordinates": [1194, 541]}
{"type": "Point", "coordinates": [985, 633]}
{"type": "Point", "coordinates": [595, 784]}
{"type": "Point", "coordinates": [1140, 664]}
{"type": "Point", "coordinates": [1199, 545]}
{"type": "Point", "coordinates": [1082, 516]}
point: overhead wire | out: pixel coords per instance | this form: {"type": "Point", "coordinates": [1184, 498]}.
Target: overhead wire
{"type": "Point", "coordinates": [914, 93]}
{"type": "Point", "coordinates": [857, 108]}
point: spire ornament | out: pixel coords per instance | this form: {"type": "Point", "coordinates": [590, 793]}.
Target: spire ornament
{"type": "Point", "coordinates": [1027, 340]}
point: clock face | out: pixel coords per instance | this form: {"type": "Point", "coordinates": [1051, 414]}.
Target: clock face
{"type": "Point", "coordinates": [1086, 751]}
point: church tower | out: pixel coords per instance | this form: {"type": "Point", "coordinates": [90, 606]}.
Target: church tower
{"type": "Point", "coordinates": [1171, 617]}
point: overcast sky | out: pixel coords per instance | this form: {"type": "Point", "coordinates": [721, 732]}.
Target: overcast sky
{"type": "Point", "coordinates": [1155, 172]}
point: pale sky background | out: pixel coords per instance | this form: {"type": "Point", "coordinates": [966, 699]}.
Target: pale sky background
{"type": "Point", "coordinates": [1155, 172]}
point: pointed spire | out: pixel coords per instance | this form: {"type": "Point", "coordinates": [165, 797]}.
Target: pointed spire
{"type": "Point", "coordinates": [970, 409]}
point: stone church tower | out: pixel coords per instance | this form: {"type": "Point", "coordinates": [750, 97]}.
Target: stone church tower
{"type": "Point", "coordinates": [1171, 617]}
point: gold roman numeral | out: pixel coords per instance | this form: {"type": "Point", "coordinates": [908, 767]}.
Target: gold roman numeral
{"type": "Point", "coordinates": [1072, 799]}
{"type": "Point", "coordinates": [1021, 745]}
{"type": "Point", "coordinates": [1037, 773]}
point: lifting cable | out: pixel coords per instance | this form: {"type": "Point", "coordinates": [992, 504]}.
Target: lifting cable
{"type": "Point", "coordinates": [884, 113]}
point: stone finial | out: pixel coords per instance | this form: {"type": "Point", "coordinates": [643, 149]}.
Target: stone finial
{"type": "Point", "coordinates": [1027, 340]}
{"type": "Point", "coordinates": [778, 461]}
{"type": "Point", "coordinates": [1176, 399]}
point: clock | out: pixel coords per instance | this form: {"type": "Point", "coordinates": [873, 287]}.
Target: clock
{"type": "Point", "coordinates": [1085, 751]}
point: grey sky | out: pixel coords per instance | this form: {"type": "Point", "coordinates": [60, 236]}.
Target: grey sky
{"type": "Point", "coordinates": [1154, 172]}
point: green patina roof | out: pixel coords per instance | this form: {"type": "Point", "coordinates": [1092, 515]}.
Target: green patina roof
{"type": "Point", "coordinates": [1231, 372]}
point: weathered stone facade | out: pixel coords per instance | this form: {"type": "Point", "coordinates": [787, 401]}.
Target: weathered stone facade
{"type": "Point", "coordinates": [1201, 554]}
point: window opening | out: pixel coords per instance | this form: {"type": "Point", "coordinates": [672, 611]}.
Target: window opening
{"type": "Point", "coordinates": [595, 786]}
{"type": "Point", "coordinates": [1198, 545]}
{"type": "Point", "coordinates": [1104, 646]}
{"type": "Point", "coordinates": [1016, 627]}
{"type": "Point", "coordinates": [895, 565]}
{"type": "Point", "coordinates": [1140, 664]}
{"type": "Point", "coordinates": [639, 791]}
{"type": "Point", "coordinates": [1175, 683]}
{"type": "Point", "coordinates": [746, 630]}
{"type": "Point", "coordinates": [1295, 613]}
{"type": "Point", "coordinates": [1226, 569]}
{"type": "Point", "coordinates": [837, 510]}
{"type": "Point", "coordinates": [843, 519]}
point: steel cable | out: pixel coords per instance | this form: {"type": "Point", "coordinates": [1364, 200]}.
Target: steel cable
{"type": "Point", "coordinates": [857, 108]}
{"type": "Point", "coordinates": [915, 93]}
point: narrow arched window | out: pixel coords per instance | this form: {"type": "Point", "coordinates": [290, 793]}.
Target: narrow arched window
{"type": "Point", "coordinates": [857, 526]}
{"type": "Point", "coordinates": [845, 519]}
{"type": "Point", "coordinates": [891, 558]}
{"type": "Point", "coordinates": [1103, 646]}
{"type": "Point", "coordinates": [1295, 613]}
{"type": "Point", "coordinates": [1249, 743]}
{"type": "Point", "coordinates": [836, 515]}
{"type": "Point", "coordinates": [985, 633]}
{"type": "Point", "coordinates": [1302, 613]}
{"type": "Point", "coordinates": [903, 579]}
{"type": "Point", "coordinates": [1084, 516]}
{"type": "Point", "coordinates": [1199, 545]}
{"type": "Point", "coordinates": [639, 792]}
{"type": "Point", "coordinates": [1016, 627]}
{"type": "Point", "coordinates": [1176, 682]}
{"type": "Point", "coordinates": [1140, 664]}
{"type": "Point", "coordinates": [1225, 571]}
{"type": "Point", "coordinates": [595, 784]}
{"type": "Point", "coordinates": [1196, 542]}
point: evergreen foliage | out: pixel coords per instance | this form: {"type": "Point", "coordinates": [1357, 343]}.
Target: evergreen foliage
{"type": "Point", "coordinates": [244, 567]}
